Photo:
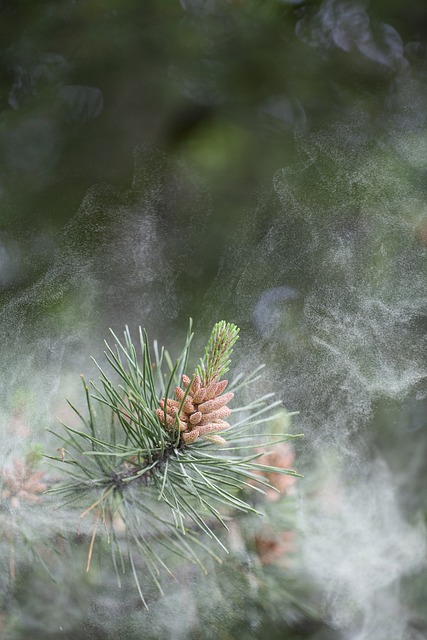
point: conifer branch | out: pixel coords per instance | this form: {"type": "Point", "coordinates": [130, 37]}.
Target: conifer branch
{"type": "Point", "coordinates": [157, 475]}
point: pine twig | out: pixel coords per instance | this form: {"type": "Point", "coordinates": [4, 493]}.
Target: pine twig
{"type": "Point", "coordinates": [158, 468]}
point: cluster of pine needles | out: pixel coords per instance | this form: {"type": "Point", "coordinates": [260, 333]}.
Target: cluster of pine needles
{"type": "Point", "coordinates": [149, 466]}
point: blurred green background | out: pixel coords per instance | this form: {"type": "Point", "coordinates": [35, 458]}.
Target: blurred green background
{"type": "Point", "coordinates": [259, 161]}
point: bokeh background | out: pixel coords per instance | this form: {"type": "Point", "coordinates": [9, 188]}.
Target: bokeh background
{"type": "Point", "coordinates": [262, 162]}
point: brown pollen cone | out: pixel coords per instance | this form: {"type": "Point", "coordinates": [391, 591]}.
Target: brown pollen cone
{"type": "Point", "coordinates": [22, 484]}
{"type": "Point", "coordinates": [280, 456]}
{"type": "Point", "coordinates": [273, 549]}
{"type": "Point", "coordinates": [202, 411]}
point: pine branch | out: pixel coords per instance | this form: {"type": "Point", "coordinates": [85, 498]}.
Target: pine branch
{"type": "Point", "coordinates": [25, 530]}
{"type": "Point", "coordinates": [158, 475]}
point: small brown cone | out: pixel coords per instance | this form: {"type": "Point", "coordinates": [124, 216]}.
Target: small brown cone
{"type": "Point", "coordinates": [22, 484]}
{"type": "Point", "coordinates": [200, 413]}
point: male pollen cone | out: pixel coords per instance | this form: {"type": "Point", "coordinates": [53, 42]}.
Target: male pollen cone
{"type": "Point", "coordinates": [22, 484]}
{"type": "Point", "coordinates": [202, 411]}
